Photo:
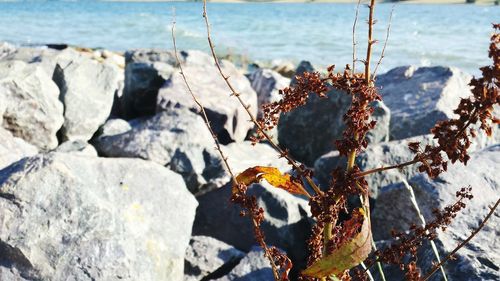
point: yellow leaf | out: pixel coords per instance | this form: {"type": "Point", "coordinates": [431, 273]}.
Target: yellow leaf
{"type": "Point", "coordinates": [348, 255]}
{"type": "Point", "coordinates": [273, 176]}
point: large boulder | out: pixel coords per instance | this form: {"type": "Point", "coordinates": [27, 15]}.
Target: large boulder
{"type": "Point", "coordinates": [387, 154]}
{"type": "Point", "coordinates": [145, 73]}
{"type": "Point", "coordinates": [207, 258]}
{"type": "Point", "coordinates": [253, 267]}
{"type": "Point", "coordinates": [286, 223]}
{"type": "Point", "coordinates": [30, 106]}
{"type": "Point", "coordinates": [479, 259]}
{"type": "Point", "coordinates": [418, 97]}
{"type": "Point", "coordinates": [69, 217]}
{"type": "Point", "coordinates": [228, 117]}
{"type": "Point", "coordinates": [176, 138]}
{"type": "Point", "coordinates": [13, 149]}
{"type": "Point", "coordinates": [311, 130]}
{"type": "Point", "coordinates": [87, 89]}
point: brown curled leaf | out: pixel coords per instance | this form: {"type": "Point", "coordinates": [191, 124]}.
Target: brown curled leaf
{"type": "Point", "coordinates": [273, 176]}
{"type": "Point", "coordinates": [346, 256]}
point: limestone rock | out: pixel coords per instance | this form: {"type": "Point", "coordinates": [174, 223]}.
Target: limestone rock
{"type": "Point", "coordinates": [479, 258]}
{"type": "Point", "coordinates": [207, 256]}
{"type": "Point", "coordinates": [418, 97]}
{"type": "Point", "coordinates": [286, 223]}
{"type": "Point", "coordinates": [228, 118]}
{"type": "Point", "coordinates": [145, 72]}
{"type": "Point", "coordinates": [93, 219]}
{"type": "Point", "coordinates": [253, 267]}
{"type": "Point", "coordinates": [87, 91]}
{"type": "Point", "coordinates": [311, 130]}
{"type": "Point", "coordinates": [176, 138]}
{"type": "Point", "coordinates": [31, 110]}
{"type": "Point", "coordinates": [13, 149]}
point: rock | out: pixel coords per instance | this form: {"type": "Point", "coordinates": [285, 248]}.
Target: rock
{"type": "Point", "coordinates": [176, 138]}
{"type": "Point", "coordinates": [311, 130]}
{"type": "Point", "coordinates": [207, 257]}
{"type": "Point", "coordinates": [253, 267]}
{"type": "Point", "coordinates": [244, 155]}
{"type": "Point", "coordinates": [32, 110]}
{"type": "Point", "coordinates": [381, 114]}
{"type": "Point", "coordinates": [228, 118]}
{"type": "Point", "coordinates": [87, 89]}
{"type": "Point", "coordinates": [145, 72]}
{"type": "Point", "coordinates": [13, 149]}
{"type": "Point", "coordinates": [285, 68]}
{"type": "Point", "coordinates": [80, 147]}
{"type": "Point", "coordinates": [267, 84]}
{"type": "Point", "coordinates": [387, 154]}
{"type": "Point", "coordinates": [479, 258]}
{"type": "Point", "coordinates": [114, 127]}
{"type": "Point", "coordinates": [286, 223]}
{"type": "Point", "coordinates": [6, 49]}
{"type": "Point", "coordinates": [93, 219]}
{"type": "Point", "coordinates": [45, 57]}
{"type": "Point", "coordinates": [375, 156]}
{"type": "Point", "coordinates": [418, 97]}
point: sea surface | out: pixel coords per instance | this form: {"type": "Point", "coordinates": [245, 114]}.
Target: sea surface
{"type": "Point", "coordinates": [453, 35]}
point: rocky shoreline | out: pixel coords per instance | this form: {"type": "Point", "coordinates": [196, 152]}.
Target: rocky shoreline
{"type": "Point", "coordinates": [107, 172]}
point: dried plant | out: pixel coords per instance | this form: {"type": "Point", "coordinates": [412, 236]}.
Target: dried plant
{"type": "Point", "coordinates": [336, 247]}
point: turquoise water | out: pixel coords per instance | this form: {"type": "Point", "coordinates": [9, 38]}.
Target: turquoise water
{"type": "Point", "coordinates": [455, 35]}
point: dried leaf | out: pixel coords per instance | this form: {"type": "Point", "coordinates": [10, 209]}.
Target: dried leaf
{"type": "Point", "coordinates": [273, 176]}
{"type": "Point", "coordinates": [348, 255]}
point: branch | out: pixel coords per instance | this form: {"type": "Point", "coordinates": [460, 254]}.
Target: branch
{"type": "Point", "coordinates": [388, 32]}
{"type": "Point", "coordinates": [234, 93]}
{"type": "Point", "coordinates": [474, 233]}
{"type": "Point", "coordinates": [370, 42]}
{"type": "Point", "coordinates": [354, 38]}
{"type": "Point", "coordinates": [201, 108]}
{"type": "Point", "coordinates": [218, 147]}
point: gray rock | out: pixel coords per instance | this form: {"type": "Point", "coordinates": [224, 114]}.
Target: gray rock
{"type": "Point", "coordinates": [13, 149]}
{"type": "Point", "coordinates": [311, 130]}
{"type": "Point", "coordinates": [93, 219]}
{"type": "Point", "coordinates": [267, 84]}
{"type": "Point", "coordinates": [228, 118]}
{"type": "Point", "coordinates": [253, 267]}
{"type": "Point", "coordinates": [208, 256]}
{"type": "Point", "coordinates": [478, 260]}
{"type": "Point", "coordinates": [114, 127]}
{"type": "Point", "coordinates": [176, 138]}
{"type": "Point", "coordinates": [6, 49]}
{"type": "Point", "coordinates": [45, 57]}
{"type": "Point", "coordinates": [286, 223]}
{"type": "Point", "coordinates": [87, 89]}
{"type": "Point", "coordinates": [244, 155]}
{"type": "Point", "coordinates": [32, 110]}
{"type": "Point", "coordinates": [78, 146]}
{"type": "Point", "coordinates": [420, 96]}
{"type": "Point", "coordinates": [145, 72]}
{"type": "Point", "coordinates": [387, 154]}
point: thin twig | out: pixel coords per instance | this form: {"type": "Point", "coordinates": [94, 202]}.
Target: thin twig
{"type": "Point", "coordinates": [388, 32]}
{"type": "Point", "coordinates": [370, 42]}
{"type": "Point", "coordinates": [247, 108]}
{"type": "Point", "coordinates": [217, 144]}
{"type": "Point", "coordinates": [474, 114]}
{"type": "Point", "coordinates": [474, 233]}
{"type": "Point", "coordinates": [201, 108]}
{"type": "Point", "coordinates": [354, 38]}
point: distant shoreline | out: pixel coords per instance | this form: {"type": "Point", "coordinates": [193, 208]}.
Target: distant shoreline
{"type": "Point", "coordinates": [478, 2]}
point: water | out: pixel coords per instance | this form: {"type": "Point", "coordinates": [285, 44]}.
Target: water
{"type": "Point", "coordinates": [454, 35]}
